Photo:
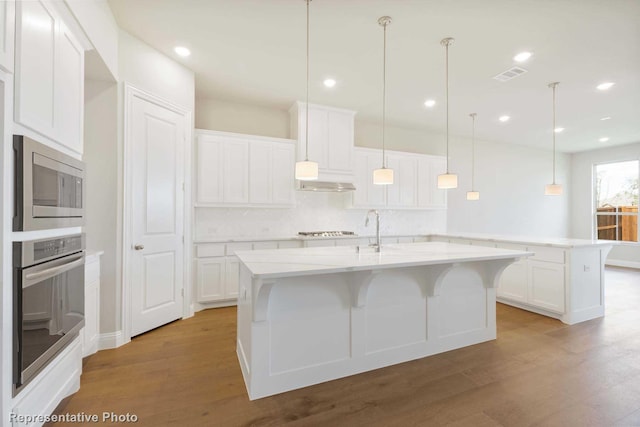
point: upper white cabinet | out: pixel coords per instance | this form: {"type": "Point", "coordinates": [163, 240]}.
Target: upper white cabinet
{"type": "Point", "coordinates": [243, 170]}
{"type": "Point", "coordinates": [49, 83]}
{"type": "Point", "coordinates": [414, 186]}
{"type": "Point", "coordinates": [330, 139]}
{"type": "Point", "coordinates": [7, 31]}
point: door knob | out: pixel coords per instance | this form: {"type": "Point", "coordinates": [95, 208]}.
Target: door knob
{"type": "Point", "coordinates": [138, 247]}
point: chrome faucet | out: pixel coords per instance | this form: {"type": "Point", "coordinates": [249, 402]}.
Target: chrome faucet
{"type": "Point", "coordinates": [366, 224]}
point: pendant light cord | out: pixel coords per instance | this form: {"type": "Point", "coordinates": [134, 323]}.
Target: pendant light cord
{"type": "Point", "coordinates": [306, 158]}
{"type": "Point", "coordinates": [384, 91]}
{"type": "Point", "coordinates": [553, 87]}
{"type": "Point", "coordinates": [473, 150]}
{"type": "Point", "coordinates": [446, 42]}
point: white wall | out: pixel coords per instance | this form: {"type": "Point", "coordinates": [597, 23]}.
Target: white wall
{"type": "Point", "coordinates": [511, 180]}
{"type": "Point", "coordinates": [101, 158]}
{"type": "Point", "coordinates": [241, 118]}
{"type": "Point", "coordinates": [582, 204]}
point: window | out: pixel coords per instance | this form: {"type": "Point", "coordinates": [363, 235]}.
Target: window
{"type": "Point", "coordinates": [616, 197]}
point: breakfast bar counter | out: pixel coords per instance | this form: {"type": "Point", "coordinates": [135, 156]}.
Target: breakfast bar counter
{"type": "Point", "coordinates": [310, 315]}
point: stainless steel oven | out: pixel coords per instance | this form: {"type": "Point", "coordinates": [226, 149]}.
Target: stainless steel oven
{"type": "Point", "coordinates": [49, 187]}
{"type": "Point", "coordinates": [48, 301]}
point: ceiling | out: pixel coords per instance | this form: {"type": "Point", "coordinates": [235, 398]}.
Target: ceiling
{"type": "Point", "coordinates": [253, 51]}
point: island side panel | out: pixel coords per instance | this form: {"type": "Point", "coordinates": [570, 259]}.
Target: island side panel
{"type": "Point", "coordinates": [321, 327]}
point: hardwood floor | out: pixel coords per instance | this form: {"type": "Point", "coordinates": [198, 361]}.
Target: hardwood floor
{"type": "Point", "coordinates": [538, 372]}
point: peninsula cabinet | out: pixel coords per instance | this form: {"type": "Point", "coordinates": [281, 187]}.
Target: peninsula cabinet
{"type": "Point", "coordinates": [235, 170]}
{"type": "Point", "coordinates": [49, 75]}
{"type": "Point", "coordinates": [564, 280]}
{"type": "Point", "coordinates": [415, 181]}
{"type": "Point", "coordinates": [331, 139]}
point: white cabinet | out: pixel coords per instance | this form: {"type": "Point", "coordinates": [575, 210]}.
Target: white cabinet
{"type": "Point", "coordinates": [91, 331]}
{"type": "Point", "coordinates": [546, 285]}
{"type": "Point", "coordinates": [49, 83]}
{"type": "Point", "coordinates": [210, 279]}
{"type": "Point", "coordinates": [414, 186]}
{"type": "Point", "coordinates": [513, 282]}
{"type": "Point", "coordinates": [243, 170]}
{"type": "Point", "coordinates": [7, 31]}
{"type": "Point", "coordinates": [331, 139]}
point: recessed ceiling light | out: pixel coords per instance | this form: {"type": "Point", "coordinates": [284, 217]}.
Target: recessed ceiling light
{"type": "Point", "coordinates": [558, 130]}
{"type": "Point", "coordinates": [182, 51]}
{"type": "Point", "coordinates": [429, 103]}
{"type": "Point", "coordinates": [329, 82]}
{"type": "Point", "coordinates": [605, 86]}
{"type": "Point", "coordinates": [606, 118]}
{"type": "Point", "coordinates": [522, 56]}
{"type": "Point", "coordinates": [605, 139]}
{"type": "Point", "coordinates": [504, 118]}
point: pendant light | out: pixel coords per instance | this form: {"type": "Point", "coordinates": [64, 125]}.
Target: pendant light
{"type": "Point", "coordinates": [553, 189]}
{"type": "Point", "coordinates": [447, 180]}
{"type": "Point", "coordinates": [473, 194]}
{"type": "Point", "coordinates": [384, 175]}
{"type": "Point", "coordinates": [307, 170]}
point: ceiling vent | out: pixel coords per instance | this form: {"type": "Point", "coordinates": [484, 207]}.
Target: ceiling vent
{"type": "Point", "coordinates": [510, 74]}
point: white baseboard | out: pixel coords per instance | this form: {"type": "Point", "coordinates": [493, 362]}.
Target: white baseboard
{"type": "Point", "coordinates": [110, 340]}
{"type": "Point", "coordinates": [623, 263]}
{"type": "Point", "coordinates": [199, 306]}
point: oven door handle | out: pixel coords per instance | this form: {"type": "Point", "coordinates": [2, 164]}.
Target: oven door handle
{"type": "Point", "coordinates": [54, 271]}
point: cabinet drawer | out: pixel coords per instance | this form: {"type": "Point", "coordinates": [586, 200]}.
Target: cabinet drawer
{"type": "Point", "coordinates": [283, 244]}
{"type": "Point", "coordinates": [265, 245]}
{"type": "Point", "coordinates": [210, 250]}
{"type": "Point", "coordinates": [547, 254]}
{"type": "Point", "coordinates": [92, 272]}
{"type": "Point", "coordinates": [232, 248]}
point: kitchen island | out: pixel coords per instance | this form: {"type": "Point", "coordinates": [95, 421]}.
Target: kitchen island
{"type": "Point", "coordinates": [310, 315]}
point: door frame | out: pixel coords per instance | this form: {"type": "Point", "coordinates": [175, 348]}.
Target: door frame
{"type": "Point", "coordinates": [130, 93]}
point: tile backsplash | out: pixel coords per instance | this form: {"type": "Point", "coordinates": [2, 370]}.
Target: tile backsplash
{"type": "Point", "coordinates": [314, 211]}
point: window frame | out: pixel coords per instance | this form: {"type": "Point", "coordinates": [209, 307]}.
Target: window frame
{"type": "Point", "coordinates": [594, 204]}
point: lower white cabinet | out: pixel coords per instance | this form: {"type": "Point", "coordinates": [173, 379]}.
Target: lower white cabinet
{"type": "Point", "coordinates": [214, 281]}
{"type": "Point", "coordinates": [546, 285]}
{"type": "Point", "coordinates": [513, 282]}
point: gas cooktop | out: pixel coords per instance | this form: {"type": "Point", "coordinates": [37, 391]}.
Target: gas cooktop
{"type": "Point", "coordinates": [326, 233]}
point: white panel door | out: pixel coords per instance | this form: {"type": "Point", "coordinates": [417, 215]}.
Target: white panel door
{"type": "Point", "coordinates": [7, 29]}
{"type": "Point", "coordinates": [546, 285]}
{"type": "Point", "coordinates": [36, 29]}
{"type": "Point", "coordinates": [209, 170]}
{"type": "Point", "coordinates": [210, 279]}
{"type": "Point", "coordinates": [157, 146]}
{"type": "Point", "coordinates": [260, 172]}
{"type": "Point", "coordinates": [283, 164]}
{"type": "Point", "coordinates": [235, 182]}
{"type": "Point", "coordinates": [69, 96]}
{"type": "Point", "coordinates": [340, 141]}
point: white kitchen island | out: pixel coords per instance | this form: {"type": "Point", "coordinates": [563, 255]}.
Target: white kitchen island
{"type": "Point", "coordinates": [310, 315]}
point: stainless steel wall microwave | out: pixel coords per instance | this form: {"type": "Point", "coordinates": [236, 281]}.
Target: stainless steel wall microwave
{"type": "Point", "coordinates": [49, 187]}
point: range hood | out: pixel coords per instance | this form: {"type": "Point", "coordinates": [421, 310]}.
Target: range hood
{"type": "Point", "coordinates": [326, 186]}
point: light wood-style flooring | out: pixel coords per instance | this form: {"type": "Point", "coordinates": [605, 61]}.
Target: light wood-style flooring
{"type": "Point", "coordinates": [538, 372]}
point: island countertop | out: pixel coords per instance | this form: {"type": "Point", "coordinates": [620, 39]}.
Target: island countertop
{"type": "Point", "coordinates": [277, 263]}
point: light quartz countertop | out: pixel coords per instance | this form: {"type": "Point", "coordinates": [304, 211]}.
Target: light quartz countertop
{"type": "Point", "coordinates": [531, 240]}
{"type": "Point", "coordinates": [276, 263]}
{"type": "Point", "coordinates": [295, 237]}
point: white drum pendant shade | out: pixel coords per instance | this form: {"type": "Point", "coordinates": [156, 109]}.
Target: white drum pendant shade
{"type": "Point", "coordinates": [553, 190]}
{"type": "Point", "coordinates": [447, 181]}
{"type": "Point", "coordinates": [473, 195]}
{"type": "Point", "coordinates": [306, 170]}
{"type": "Point", "coordinates": [383, 176]}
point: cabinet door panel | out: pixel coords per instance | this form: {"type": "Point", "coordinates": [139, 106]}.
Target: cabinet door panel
{"type": "Point", "coordinates": [35, 67]}
{"type": "Point", "coordinates": [407, 176]}
{"type": "Point", "coordinates": [513, 282]}
{"type": "Point", "coordinates": [69, 90]}
{"type": "Point", "coordinates": [360, 180]}
{"type": "Point", "coordinates": [376, 194]}
{"type": "Point", "coordinates": [340, 141]}
{"type": "Point", "coordinates": [210, 279]}
{"type": "Point", "coordinates": [236, 172]}
{"type": "Point", "coordinates": [7, 22]}
{"type": "Point", "coordinates": [546, 285]}
{"type": "Point", "coordinates": [232, 277]}
{"type": "Point", "coordinates": [260, 172]}
{"type": "Point", "coordinates": [283, 164]}
{"type": "Point", "coordinates": [318, 136]}
{"type": "Point", "coordinates": [209, 171]}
